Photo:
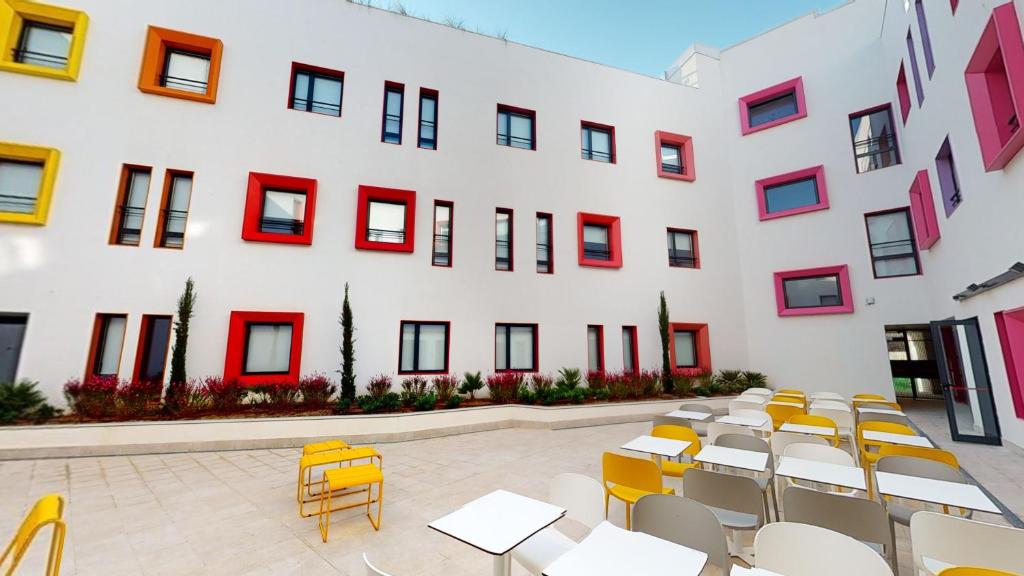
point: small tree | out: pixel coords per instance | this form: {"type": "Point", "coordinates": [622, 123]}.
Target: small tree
{"type": "Point", "coordinates": [186, 305]}
{"type": "Point", "coordinates": [348, 358]}
{"type": "Point", "coordinates": [666, 365]}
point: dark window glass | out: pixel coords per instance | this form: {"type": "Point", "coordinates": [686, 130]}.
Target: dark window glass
{"type": "Point", "coordinates": [12, 335]}
{"type": "Point", "coordinates": [672, 159]}
{"type": "Point", "coordinates": [949, 183]}
{"type": "Point", "coordinates": [284, 212]}
{"type": "Point", "coordinates": [44, 45]}
{"type": "Point", "coordinates": [680, 249]}
{"type": "Point", "coordinates": [107, 342]}
{"type": "Point", "coordinates": [773, 109]}
{"type": "Point", "coordinates": [515, 346]}
{"type": "Point", "coordinates": [874, 140]}
{"type": "Point", "coordinates": [268, 348]}
{"type": "Point", "coordinates": [503, 240]}
{"type": "Point", "coordinates": [595, 242]}
{"type": "Point", "coordinates": [156, 335]}
{"type": "Point", "coordinates": [132, 209]}
{"type": "Point", "coordinates": [515, 129]}
{"type": "Point", "coordinates": [424, 347]}
{"type": "Point", "coordinates": [685, 344]}
{"type": "Point", "coordinates": [394, 97]}
{"type": "Point", "coordinates": [812, 292]}
{"type": "Point", "coordinates": [893, 252]}
{"type": "Point", "coordinates": [428, 121]}
{"type": "Point", "coordinates": [544, 244]}
{"type": "Point", "coordinates": [175, 213]}
{"type": "Point", "coordinates": [629, 360]}
{"type": "Point", "coordinates": [597, 144]}
{"type": "Point", "coordinates": [595, 351]}
{"type": "Point", "coordinates": [442, 252]}
{"type": "Point", "coordinates": [317, 92]}
{"type": "Point", "coordinates": [791, 195]}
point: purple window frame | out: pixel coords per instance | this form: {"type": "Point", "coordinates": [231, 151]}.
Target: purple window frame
{"type": "Point", "coordinates": [949, 182]}
{"type": "Point", "coordinates": [926, 39]}
{"type": "Point", "coordinates": [915, 69]}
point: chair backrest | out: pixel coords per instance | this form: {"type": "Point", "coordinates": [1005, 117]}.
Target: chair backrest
{"type": "Point", "coordinates": [869, 397]}
{"type": "Point", "coordinates": [749, 443]}
{"type": "Point", "coordinates": [755, 398]}
{"type": "Point", "coordinates": [46, 511]}
{"type": "Point", "coordinates": [581, 496]}
{"type": "Point", "coordinates": [795, 400]}
{"type": "Point", "coordinates": [758, 391]}
{"type": "Point", "coordinates": [791, 391]}
{"type": "Point", "coordinates": [780, 413]}
{"type": "Point", "coordinates": [781, 440]}
{"type": "Point", "coordinates": [842, 418]}
{"type": "Point", "coordinates": [725, 491]}
{"type": "Point", "coordinates": [663, 419]}
{"type": "Point", "coordinates": [767, 426]}
{"type": "Point", "coordinates": [696, 408]}
{"type": "Point", "coordinates": [858, 518]}
{"type": "Point", "coordinates": [834, 396]}
{"type": "Point", "coordinates": [972, 571]}
{"type": "Point", "coordinates": [803, 550]}
{"type": "Point", "coordinates": [632, 472]}
{"type": "Point", "coordinates": [963, 542]}
{"type": "Point", "coordinates": [716, 429]}
{"type": "Point", "coordinates": [685, 522]}
{"type": "Point", "coordinates": [372, 570]}
{"type": "Point", "coordinates": [813, 420]}
{"type": "Point", "coordinates": [831, 405]}
{"type": "Point", "coordinates": [920, 467]}
{"type": "Point", "coordinates": [735, 405]}
{"type": "Point", "coordinates": [944, 456]}
{"type": "Point", "coordinates": [679, 433]}
{"type": "Point", "coordinates": [819, 453]}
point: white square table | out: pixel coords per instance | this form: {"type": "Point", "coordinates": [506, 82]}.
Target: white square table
{"type": "Point", "coordinates": [879, 411]}
{"type": "Point", "coordinates": [935, 491]}
{"type": "Point", "coordinates": [901, 439]}
{"type": "Point", "coordinates": [498, 522]}
{"type": "Point", "coordinates": [699, 416]}
{"type": "Point", "coordinates": [749, 421]}
{"type": "Point", "coordinates": [659, 447]}
{"type": "Point", "coordinates": [612, 551]}
{"type": "Point", "coordinates": [823, 472]}
{"type": "Point", "coordinates": [808, 429]}
{"type": "Point", "coordinates": [753, 398]}
{"type": "Point", "coordinates": [734, 457]}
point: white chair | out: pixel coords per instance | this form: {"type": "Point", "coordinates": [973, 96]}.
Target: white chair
{"type": "Point", "coordinates": [754, 398]}
{"type": "Point", "coordinates": [940, 541]}
{"type": "Point", "coordinates": [765, 429]}
{"type": "Point", "coordinates": [831, 405]}
{"type": "Point", "coordinates": [748, 403]}
{"type": "Point", "coordinates": [583, 500]}
{"type": "Point", "coordinates": [372, 570]}
{"type": "Point", "coordinates": [826, 396]}
{"type": "Point", "coordinates": [780, 440]}
{"type": "Point", "coordinates": [716, 429]}
{"type": "Point", "coordinates": [844, 421]}
{"type": "Point", "coordinates": [759, 391]}
{"type": "Point", "coordinates": [804, 550]}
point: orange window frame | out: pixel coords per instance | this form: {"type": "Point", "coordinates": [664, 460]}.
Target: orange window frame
{"type": "Point", "coordinates": [158, 41]}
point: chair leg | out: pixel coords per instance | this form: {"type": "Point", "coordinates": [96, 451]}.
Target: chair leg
{"type": "Point", "coordinates": [380, 504]}
{"type": "Point", "coordinates": [894, 562]}
{"type": "Point", "coordinates": [627, 517]}
{"type": "Point", "coordinates": [606, 504]}
{"type": "Point", "coordinates": [775, 500]}
{"type": "Point", "coordinates": [56, 550]}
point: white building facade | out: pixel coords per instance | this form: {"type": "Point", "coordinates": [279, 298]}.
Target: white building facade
{"type": "Point", "coordinates": [494, 206]}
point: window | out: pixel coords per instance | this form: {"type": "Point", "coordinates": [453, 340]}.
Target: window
{"type": "Point", "coordinates": [107, 340]}
{"type": "Point", "coordinates": [874, 139]}
{"type": "Point", "coordinates": [600, 240]}
{"type": "Point", "coordinates": [630, 353]}
{"type": "Point", "coordinates": [772, 106]}
{"type": "Point", "coordinates": [1010, 326]}
{"type": "Point", "coordinates": [949, 183]}
{"type": "Point", "coordinates": [918, 86]}
{"type": "Point", "coordinates": [151, 355]}
{"type": "Point", "coordinates": [995, 83]}
{"type": "Point", "coordinates": [386, 219]}
{"type": "Point", "coordinates": [823, 290]}
{"type": "Point", "coordinates": [515, 347]}
{"type": "Point", "coordinates": [595, 348]}
{"type": "Point", "coordinates": [598, 142]}
{"type": "Point", "coordinates": [279, 209]}
{"type": "Point", "coordinates": [674, 156]}
{"type": "Point", "coordinates": [685, 344]}
{"type": "Point", "coordinates": [922, 209]}
{"type": "Point", "coordinates": [170, 232]}
{"type": "Point", "coordinates": [131, 205]}
{"type": "Point", "coordinates": [926, 39]}
{"type": "Point", "coordinates": [315, 89]}
{"type": "Point", "coordinates": [428, 119]}
{"type": "Point", "coordinates": [394, 102]}
{"type": "Point", "coordinates": [891, 243]}
{"type": "Point", "coordinates": [682, 248]}
{"type": "Point", "coordinates": [690, 350]}
{"type": "Point", "coordinates": [443, 221]}
{"type": "Point", "coordinates": [264, 347]}
{"type": "Point", "coordinates": [503, 239]}
{"type": "Point", "coordinates": [27, 176]}
{"type": "Point", "coordinates": [12, 335]}
{"type": "Point", "coordinates": [516, 127]}
{"type": "Point", "coordinates": [792, 193]}
{"type": "Point", "coordinates": [181, 65]}
{"type": "Point", "coordinates": [423, 348]}
{"type": "Point", "coordinates": [41, 40]}
{"type": "Point", "coordinates": [903, 93]}
{"type": "Point", "coordinates": [545, 244]}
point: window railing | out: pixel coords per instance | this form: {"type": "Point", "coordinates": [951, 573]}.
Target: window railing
{"type": "Point", "coordinates": [502, 256]}
{"type": "Point", "coordinates": [31, 57]}
{"type": "Point", "coordinates": [892, 250]}
{"type": "Point", "coordinates": [128, 218]}
{"type": "Point", "coordinates": [591, 154]}
{"type": "Point", "coordinates": [682, 259]}
{"type": "Point", "coordinates": [20, 204]}
{"type": "Point", "coordinates": [382, 235]}
{"type": "Point", "coordinates": [316, 106]}
{"type": "Point", "coordinates": [672, 168]}
{"type": "Point", "coordinates": [282, 225]}
{"type": "Point", "coordinates": [543, 258]}
{"type": "Point", "coordinates": [427, 126]}
{"type": "Point", "coordinates": [597, 252]}
{"type": "Point", "coordinates": [174, 228]}
{"type": "Point", "coordinates": [187, 84]}
{"type": "Point", "coordinates": [875, 153]}
{"type": "Point", "coordinates": [390, 136]}
{"type": "Point", "coordinates": [515, 141]}
{"type": "Point", "coordinates": [442, 250]}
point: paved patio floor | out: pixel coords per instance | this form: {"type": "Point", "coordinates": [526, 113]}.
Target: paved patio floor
{"type": "Point", "coordinates": [235, 513]}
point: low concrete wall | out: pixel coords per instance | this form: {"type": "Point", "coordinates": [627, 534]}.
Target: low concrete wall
{"type": "Point", "coordinates": [66, 441]}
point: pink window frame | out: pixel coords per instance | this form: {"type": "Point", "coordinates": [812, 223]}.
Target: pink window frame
{"type": "Point", "coordinates": [1000, 39]}
{"type": "Point", "coordinates": [1010, 327]}
{"type": "Point", "coordinates": [844, 291]}
{"type": "Point", "coordinates": [903, 93]}
{"type": "Point", "coordinates": [796, 85]}
{"type": "Point", "coordinates": [817, 172]}
{"type": "Point", "coordinates": [922, 211]}
{"type": "Point", "coordinates": [685, 144]}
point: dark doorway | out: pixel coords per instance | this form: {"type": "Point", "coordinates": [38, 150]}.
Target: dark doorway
{"type": "Point", "coordinates": [963, 371]}
{"type": "Point", "coordinates": [12, 334]}
{"type": "Point", "coordinates": [912, 360]}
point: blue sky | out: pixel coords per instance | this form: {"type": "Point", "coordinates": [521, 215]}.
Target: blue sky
{"type": "Point", "coordinates": [640, 35]}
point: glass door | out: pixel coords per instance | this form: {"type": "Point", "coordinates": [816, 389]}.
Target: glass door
{"type": "Point", "coordinates": [965, 383]}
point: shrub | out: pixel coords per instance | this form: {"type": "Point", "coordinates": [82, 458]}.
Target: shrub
{"type": "Point", "coordinates": [650, 382]}
{"type": "Point", "coordinates": [730, 380]}
{"type": "Point", "coordinates": [471, 383]}
{"type": "Point", "coordinates": [568, 379]}
{"type": "Point", "coordinates": [348, 357]}
{"type": "Point", "coordinates": [316, 389]}
{"type": "Point", "coordinates": [22, 401]}
{"type": "Point", "coordinates": [683, 382]}
{"type": "Point", "coordinates": [597, 379]}
{"type": "Point", "coordinates": [544, 389]}
{"type": "Point", "coordinates": [526, 396]}
{"type": "Point", "coordinates": [504, 387]}
{"type": "Point", "coordinates": [754, 380]}
{"type": "Point", "coordinates": [578, 395]}
{"type": "Point", "coordinates": [94, 397]}
{"type": "Point", "coordinates": [191, 397]}
{"type": "Point", "coordinates": [224, 395]}
{"type": "Point", "coordinates": [615, 384]}
{"type": "Point", "coordinates": [179, 351]}
{"type": "Point", "coordinates": [412, 389]}
{"type": "Point", "coordinates": [444, 386]}
{"type": "Point", "coordinates": [667, 381]}
{"type": "Point", "coordinates": [600, 394]}
{"type": "Point", "coordinates": [425, 402]}
{"type": "Point", "coordinates": [133, 398]}
{"type": "Point", "coordinates": [386, 402]}
{"type": "Point", "coordinates": [453, 402]}
{"type": "Point", "coordinates": [283, 393]}
{"type": "Point", "coordinates": [379, 385]}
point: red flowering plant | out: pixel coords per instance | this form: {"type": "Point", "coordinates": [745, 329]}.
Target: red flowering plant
{"type": "Point", "coordinates": [190, 397]}
{"type": "Point", "coordinates": [225, 395]}
{"type": "Point", "coordinates": [616, 384]}
{"type": "Point", "coordinates": [444, 386]}
{"type": "Point", "coordinates": [597, 379]}
{"type": "Point", "coordinates": [316, 389]}
{"type": "Point", "coordinates": [134, 397]}
{"type": "Point", "coordinates": [379, 385]}
{"type": "Point", "coordinates": [282, 394]}
{"type": "Point", "coordinates": [503, 387]}
{"type": "Point", "coordinates": [650, 382]}
{"type": "Point", "coordinates": [94, 397]}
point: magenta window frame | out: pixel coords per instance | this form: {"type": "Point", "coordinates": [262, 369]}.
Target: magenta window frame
{"type": "Point", "coordinates": [903, 93]}
{"type": "Point", "coordinates": [926, 39]}
{"type": "Point", "coordinates": [915, 69]}
{"type": "Point", "coordinates": [796, 85]}
{"type": "Point", "coordinates": [1010, 326]}
{"type": "Point", "coordinates": [922, 211]}
{"type": "Point", "coordinates": [842, 271]}
{"type": "Point", "coordinates": [817, 172]}
{"type": "Point", "coordinates": [997, 96]}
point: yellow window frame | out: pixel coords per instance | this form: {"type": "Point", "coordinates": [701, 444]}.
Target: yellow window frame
{"type": "Point", "coordinates": [50, 158]}
{"type": "Point", "coordinates": [13, 14]}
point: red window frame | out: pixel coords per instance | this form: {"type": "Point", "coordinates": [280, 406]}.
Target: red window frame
{"type": "Point", "coordinates": [335, 74]}
{"type": "Point", "coordinates": [817, 172]}
{"type": "Point", "coordinates": [165, 199]}
{"type": "Point", "coordinates": [922, 211]}
{"type": "Point", "coordinates": [94, 341]}
{"type": "Point", "coordinates": [511, 239]}
{"type": "Point", "coordinates": [842, 271]}
{"type": "Point", "coordinates": [447, 346]}
{"type": "Point", "coordinates": [702, 344]}
{"type": "Point", "coordinates": [795, 85]}
{"type": "Point", "coordinates": [1010, 327]}
{"type": "Point", "coordinates": [235, 355]}
{"type": "Point", "coordinates": [696, 248]}
{"type": "Point", "coordinates": [145, 328]}
{"type": "Point", "coordinates": [614, 239]}
{"type": "Point", "coordinates": [685, 144]}
{"type": "Point", "coordinates": [596, 126]}
{"type": "Point", "coordinates": [536, 347]}
{"type": "Point", "coordinates": [634, 351]}
{"type": "Point", "coordinates": [551, 240]}
{"type": "Point", "coordinates": [451, 233]}
{"type": "Point", "coordinates": [368, 194]}
{"type": "Point", "coordinates": [903, 93]}
{"type": "Point", "coordinates": [254, 196]}
{"type": "Point", "coordinates": [600, 346]}
{"type": "Point", "coordinates": [517, 110]}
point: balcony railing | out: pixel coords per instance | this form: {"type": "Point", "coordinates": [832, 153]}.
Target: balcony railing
{"type": "Point", "coordinates": [317, 106]}
{"type": "Point", "coordinates": [515, 141]}
{"type": "Point", "coordinates": [17, 204]}
{"type": "Point", "coordinates": [502, 255]}
{"type": "Point", "coordinates": [174, 228]}
{"type": "Point", "coordinates": [543, 258]}
{"type": "Point", "coordinates": [892, 250]}
{"type": "Point", "coordinates": [671, 168]}
{"type": "Point", "coordinates": [386, 236]}
{"type": "Point", "coordinates": [41, 58]}
{"type": "Point", "coordinates": [186, 84]}
{"type": "Point", "coordinates": [597, 155]}
{"type": "Point", "coordinates": [681, 259]}
{"type": "Point", "coordinates": [442, 250]}
{"type": "Point", "coordinates": [875, 153]}
{"type": "Point", "coordinates": [282, 226]}
{"type": "Point", "coordinates": [129, 225]}
{"type": "Point", "coordinates": [596, 252]}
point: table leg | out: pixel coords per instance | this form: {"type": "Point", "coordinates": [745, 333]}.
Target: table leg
{"type": "Point", "coordinates": [657, 460]}
{"type": "Point", "coordinates": [502, 565]}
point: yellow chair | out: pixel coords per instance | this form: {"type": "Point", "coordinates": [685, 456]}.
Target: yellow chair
{"type": "Point", "coordinates": [936, 454]}
{"type": "Point", "coordinates": [868, 458]}
{"type": "Point", "coordinates": [630, 479]}
{"type": "Point", "coordinates": [868, 397]}
{"type": "Point", "coordinates": [47, 510]}
{"type": "Point", "coordinates": [327, 458]}
{"type": "Point", "coordinates": [795, 400]}
{"type": "Point", "coordinates": [781, 413]}
{"type": "Point", "coordinates": [339, 482]}
{"type": "Point", "coordinates": [677, 469]}
{"type": "Point", "coordinates": [790, 392]}
{"type": "Point", "coordinates": [323, 446]}
{"type": "Point", "coordinates": [969, 571]}
{"type": "Point", "coordinates": [825, 422]}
